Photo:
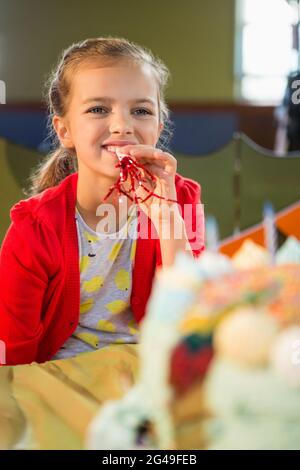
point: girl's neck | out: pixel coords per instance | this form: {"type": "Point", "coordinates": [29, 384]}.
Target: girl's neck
{"type": "Point", "coordinates": [91, 192]}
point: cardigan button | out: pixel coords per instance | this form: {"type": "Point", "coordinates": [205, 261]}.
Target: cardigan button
{"type": "Point", "coordinates": [135, 300]}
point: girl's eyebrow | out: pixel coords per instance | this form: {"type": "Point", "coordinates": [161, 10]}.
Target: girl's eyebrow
{"type": "Point", "coordinates": [107, 99]}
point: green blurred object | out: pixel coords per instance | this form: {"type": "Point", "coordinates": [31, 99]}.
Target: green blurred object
{"type": "Point", "coordinates": [16, 164]}
{"type": "Point", "coordinates": [215, 173]}
{"type": "Point", "coordinates": [265, 177]}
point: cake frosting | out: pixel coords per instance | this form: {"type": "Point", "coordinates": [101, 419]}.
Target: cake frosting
{"type": "Point", "coordinates": [250, 255]}
{"type": "Point", "coordinates": [289, 252]}
{"type": "Point", "coordinates": [246, 336]}
{"type": "Point", "coordinates": [285, 356]}
{"type": "Point", "coordinates": [253, 408]}
{"type": "Point", "coordinates": [231, 334]}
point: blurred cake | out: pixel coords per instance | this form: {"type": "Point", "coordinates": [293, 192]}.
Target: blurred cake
{"type": "Point", "coordinates": [219, 358]}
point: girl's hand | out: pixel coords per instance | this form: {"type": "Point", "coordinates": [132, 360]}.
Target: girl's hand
{"type": "Point", "coordinates": [163, 166]}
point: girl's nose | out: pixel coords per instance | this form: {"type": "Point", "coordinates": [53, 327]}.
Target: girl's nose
{"type": "Point", "coordinates": [121, 123]}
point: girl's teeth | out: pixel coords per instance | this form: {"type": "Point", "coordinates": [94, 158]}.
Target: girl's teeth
{"type": "Point", "coordinates": [119, 152]}
{"type": "Point", "coordinates": [116, 150]}
{"type": "Point", "coordinates": [112, 149]}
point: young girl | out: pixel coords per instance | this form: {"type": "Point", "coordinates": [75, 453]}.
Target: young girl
{"type": "Point", "coordinates": [67, 287]}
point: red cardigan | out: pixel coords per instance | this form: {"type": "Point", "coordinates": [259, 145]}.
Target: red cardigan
{"type": "Point", "coordinates": [39, 270]}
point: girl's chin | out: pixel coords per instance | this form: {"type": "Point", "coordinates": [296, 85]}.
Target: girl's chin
{"type": "Point", "coordinates": [107, 163]}
{"type": "Point", "coordinates": [109, 173]}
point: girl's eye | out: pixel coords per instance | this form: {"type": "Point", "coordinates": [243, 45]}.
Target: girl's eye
{"type": "Point", "coordinates": [139, 111]}
{"type": "Point", "coordinates": [92, 110]}
{"type": "Point", "coordinates": [144, 111]}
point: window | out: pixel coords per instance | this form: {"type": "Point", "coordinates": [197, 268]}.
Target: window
{"type": "Point", "coordinates": [266, 48]}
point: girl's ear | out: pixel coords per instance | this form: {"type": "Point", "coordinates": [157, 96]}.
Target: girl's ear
{"type": "Point", "coordinates": [62, 132]}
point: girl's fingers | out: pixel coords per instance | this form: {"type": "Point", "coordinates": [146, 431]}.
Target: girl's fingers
{"type": "Point", "coordinates": [145, 154]}
{"type": "Point", "coordinates": [157, 161]}
{"type": "Point", "coordinates": [131, 149]}
{"type": "Point", "coordinates": [153, 162]}
{"type": "Point", "coordinates": [146, 151]}
{"type": "Point", "coordinates": [156, 170]}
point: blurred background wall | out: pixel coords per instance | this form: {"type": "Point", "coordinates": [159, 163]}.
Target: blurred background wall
{"type": "Point", "coordinates": [195, 39]}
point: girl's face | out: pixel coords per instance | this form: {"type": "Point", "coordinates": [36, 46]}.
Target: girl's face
{"type": "Point", "coordinates": [114, 105]}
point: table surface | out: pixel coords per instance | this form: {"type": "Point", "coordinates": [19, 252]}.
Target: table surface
{"type": "Point", "coordinates": [50, 405]}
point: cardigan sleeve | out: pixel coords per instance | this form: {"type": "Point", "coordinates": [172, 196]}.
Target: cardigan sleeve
{"type": "Point", "coordinates": [189, 198]}
{"type": "Point", "coordinates": [26, 262]}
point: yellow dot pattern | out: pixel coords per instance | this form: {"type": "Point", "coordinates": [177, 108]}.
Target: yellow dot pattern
{"type": "Point", "coordinates": [133, 327]}
{"type": "Point", "coordinates": [133, 250]}
{"type": "Point", "coordinates": [116, 307]}
{"type": "Point", "coordinates": [90, 237]}
{"type": "Point", "coordinates": [94, 284]}
{"type": "Point", "coordinates": [105, 325]}
{"type": "Point", "coordinates": [115, 251]}
{"type": "Point", "coordinates": [88, 338]}
{"type": "Point", "coordinates": [86, 305]}
{"type": "Point", "coordinates": [84, 263]}
{"type": "Point", "coordinates": [122, 279]}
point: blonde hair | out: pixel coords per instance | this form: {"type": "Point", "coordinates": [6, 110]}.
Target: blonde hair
{"type": "Point", "coordinates": [61, 161]}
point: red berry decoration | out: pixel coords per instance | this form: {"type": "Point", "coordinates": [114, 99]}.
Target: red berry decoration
{"type": "Point", "coordinates": [189, 364]}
